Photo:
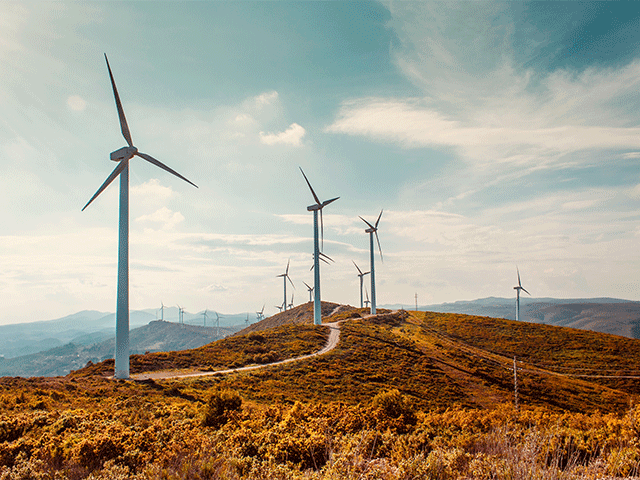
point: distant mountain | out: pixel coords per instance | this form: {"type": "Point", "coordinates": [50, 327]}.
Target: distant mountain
{"type": "Point", "coordinates": [605, 315]}
{"type": "Point", "coordinates": [157, 336]}
{"type": "Point", "coordinates": [90, 326]}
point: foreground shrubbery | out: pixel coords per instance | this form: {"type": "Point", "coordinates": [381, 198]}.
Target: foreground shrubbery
{"type": "Point", "coordinates": [170, 433]}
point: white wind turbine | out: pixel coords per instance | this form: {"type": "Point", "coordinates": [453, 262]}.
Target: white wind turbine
{"type": "Point", "coordinates": [371, 230]}
{"type": "Point", "coordinates": [361, 275]}
{"type": "Point", "coordinates": [310, 289]}
{"type": "Point", "coordinates": [217, 324]}
{"type": "Point", "coordinates": [517, 289]}
{"type": "Point", "coordinates": [367, 301]}
{"type": "Point", "coordinates": [204, 318]}
{"type": "Point", "coordinates": [122, 156]}
{"type": "Point", "coordinates": [260, 314]}
{"type": "Point", "coordinates": [317, 207]}
{"type": "Point", "coordinates": [291, 304]}
{"type": "Point", "coordinates": [285, 276]}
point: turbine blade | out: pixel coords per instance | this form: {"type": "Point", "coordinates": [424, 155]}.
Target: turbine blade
{"type": "Point", "coordinates": [378, 240]}
{"type": "Point", "coordinates": [123, 121]}
{"type": "Point", "coordinates": [366, 222]}
{"type": "Point", "coordinates": [378, 220]}
{"type": "Point", "coordinates": [305, 283]}
{"type": "Point", "coordinates": [287, 271]}
{"type": "Point", "coordinates": [517, 270]}
{"type": "Point", "coordinates": [327, 202]}
{"type": "Point", "coordinates": [526, 291]}
{"type": "Point", "coordinates": [326, 256]}
{"type": "Point", "coordinates": [359, 271]}
{"type": "Point", "coordinates": [290, 281]}
{"type": "Point", "coordinates": [315, 197]}
{"type": "Point", "coordinates": [157, 163]}
{"type": "Point", "coordinates": [121, 166]}
{"type": "Point", "coordinates": [324, 261]}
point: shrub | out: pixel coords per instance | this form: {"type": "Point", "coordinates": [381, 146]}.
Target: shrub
{"type": "Point", "coordinates": [220, 404]}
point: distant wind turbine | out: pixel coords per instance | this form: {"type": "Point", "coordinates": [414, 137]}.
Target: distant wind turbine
{"type": "Point", "coordinates": [217, 324]}
{"type": "Point", "coordinates": [286, 276]}
{"type": "Point", "coordinates": [280, 307]}
{"type": "Point", "coordinates": [317, 207]}
{"type": "Point", "coordinates": [366, 302]}
{"type": "Point", "coordinates": [180, 315]}
{"type": "Point", "coordinates": [204, 318]}
{"type": "Point", "coordinates": [260, 314]}
{"type": "Point", "coordinates": [310, 289]}
{"type": "Point", "coordinates": [291, 304]}
{"type": "Point", "coordinates": [122, 156]}
{"type": "Point", "coordinates": [371, 230]}
{"type": "Point", "coordinates": [162, 311]}
{"type": "Point", "coordinates": [361, 275]}
{"type": "Point", "coordinates": [517, 289]}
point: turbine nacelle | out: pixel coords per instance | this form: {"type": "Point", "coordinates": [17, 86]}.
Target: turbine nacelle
{"type": "Point", "coordinates": [124, 153]}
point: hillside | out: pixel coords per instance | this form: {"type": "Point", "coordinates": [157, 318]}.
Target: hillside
{"type": "Point", "coordinates": [153, 337]}
{"type": "Point", "coordinates": [403, 395]}
{"type": "Point", "coordinates": [604, 315]}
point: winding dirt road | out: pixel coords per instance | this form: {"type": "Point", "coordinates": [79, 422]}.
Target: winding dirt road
{"type": "Point", "coordinates": [332, 341]}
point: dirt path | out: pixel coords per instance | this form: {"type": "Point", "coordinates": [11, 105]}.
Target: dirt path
{"type": "Point", "coordinates": [332, 341]}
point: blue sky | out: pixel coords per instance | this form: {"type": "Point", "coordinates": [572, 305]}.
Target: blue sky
{"type": "Point", "coordinates": [491, 133]}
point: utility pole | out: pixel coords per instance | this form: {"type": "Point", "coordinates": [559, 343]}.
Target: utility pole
{"type": "Point", "coordinates": [515, 383]}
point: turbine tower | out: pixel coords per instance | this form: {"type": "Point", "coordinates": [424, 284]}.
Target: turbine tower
{"type": "Point", "coordinates": [122, 156]}
{"type": "Point", "coordinates": [371, 230]}
{"type": "Point", "coordinates": [308, 288]}
{"type": "Point", "coordinates": [285, 276]}
{"type": "Point", "coordinates": [361, 275]}
{"type": "Point", "coordinates": [317, 207]}
{"type": "Point", "coordinates": [517, 289]}
{"type": "Point", "coordinates": [217, 324]}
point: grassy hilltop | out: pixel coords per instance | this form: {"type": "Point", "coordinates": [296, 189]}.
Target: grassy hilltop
{"type": "Point", "coordinates": [403, 395]}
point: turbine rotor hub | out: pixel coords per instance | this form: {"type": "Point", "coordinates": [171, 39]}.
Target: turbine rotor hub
{"type": "Point", "coordinates": [124, 153]}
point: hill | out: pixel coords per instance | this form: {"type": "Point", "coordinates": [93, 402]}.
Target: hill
{"type": "Point", "coordinates": [153, 337]}
{"type": "Point", "coordinates": [605, 315]}
{"type": "Point", "coordinates": [403, 395]}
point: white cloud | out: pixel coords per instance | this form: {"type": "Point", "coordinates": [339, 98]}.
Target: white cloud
{"type": "Point", "coordinates": [266, 99]}
{"type": "Point", "coordinates": [291, 136]}
{"type": "Point", "coordinates": [163, 216]}
{"type": "Point", "coordinates": [151, 192]}
{"type": "Point", "coordinates": [76, 103]}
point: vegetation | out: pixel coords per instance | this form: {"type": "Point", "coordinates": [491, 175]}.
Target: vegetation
{"type": "Point", "coordinates": [403, 396]}
{"type": "Point", "coordinates": [267, 346]}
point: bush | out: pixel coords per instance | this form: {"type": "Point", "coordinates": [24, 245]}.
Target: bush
{"type": "Point", "coordinates": [220, 404]}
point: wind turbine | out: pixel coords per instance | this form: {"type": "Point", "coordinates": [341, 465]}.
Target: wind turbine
{"type": "Point", "coordinates": [517, 289]}
{"type": "Point", "coordinates": [361, 275]}
{"type": "Point", "coordinates": [260, 314]}
{"type": "Point", "coordinates": [371, 230]}
{"type": "Point", "coordinates": [122, 156]}
{"type": "Point", "coordinates": [280, 307]}
{"type": "Point", "coordinates": [308, 288]}
{"type": "Point", "coordinates": [285, 276]}
{"type": "Point", "coordinates": [317, 207]}
{"type": "Point", "coordinates": [366, 302]}
{"type": "Point", "coordinates": [217, 324]}
{"type": "Point", "coordinates": [180, 315]}
{"type": "Point", "coordinates": [291, 304]}
{"type": "Point", "coordinates": [204, 318]}
{"type": "Point", "coordinates": [162, 311]}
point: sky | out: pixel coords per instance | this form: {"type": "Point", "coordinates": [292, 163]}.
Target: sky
{"type": "Point", "coordinates": [491, 134]}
